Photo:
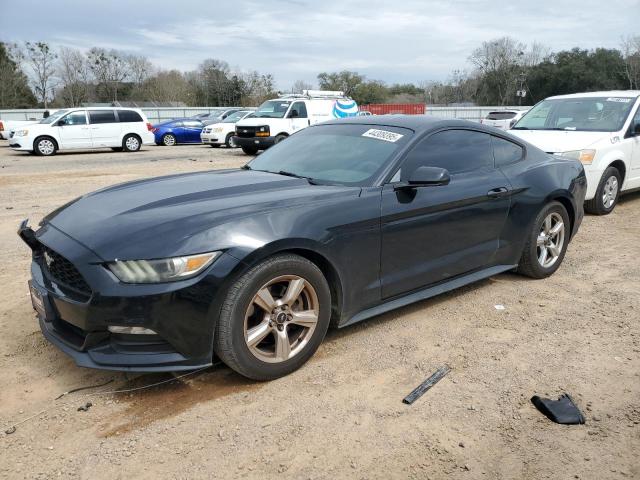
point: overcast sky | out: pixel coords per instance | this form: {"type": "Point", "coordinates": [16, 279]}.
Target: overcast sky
{"type": "Point", "coordinates": [394, 41]}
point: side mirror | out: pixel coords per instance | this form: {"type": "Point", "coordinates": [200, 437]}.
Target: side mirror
{"type": "Point", "coordinates": [61, 123]}
{"type": "Point", "coordinates": [293, 114]}
{"type": "Point", "coordinates": [425, 177]}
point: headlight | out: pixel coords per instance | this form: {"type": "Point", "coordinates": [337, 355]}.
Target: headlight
{"type": "Point", "coordinates": [584, 156]}
{"type": "Point", "coordinates": [262, 131]}
{"type": "Point", "coordinates": [21, 133]}
{"type": "Point", "coordinates": [163, 270]}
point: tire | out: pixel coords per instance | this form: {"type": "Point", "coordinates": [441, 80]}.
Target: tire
{"type": "Point", "coordinates": [607, 193]}
{"type": "Point", "coordinates": [228, 141]}
{"type": "Point", "coordinates": [169, 140]}
{"type": "Point", "coordinates": [131, 143]}
{"type": "Point", "coordinates": [533, 263]}
{"type": "Point", "coordinates": [117, 149]}
{"type": "Point", "coordinates": [250, 150]}
{"type": "Point", "coordinates": [268, 358]}
{"type": "Point", "coordinates": [45, 146]}
{"type": "Point", "coordinates": [279, 138]}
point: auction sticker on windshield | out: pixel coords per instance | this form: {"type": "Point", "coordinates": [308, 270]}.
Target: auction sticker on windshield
{"type": "Point", "coordinates": [618, 99]}
{"type": "Point", "coordinates": [385, 135]}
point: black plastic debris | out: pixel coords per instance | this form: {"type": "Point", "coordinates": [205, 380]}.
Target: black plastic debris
{"type": "Point", "coordinates": [563, 410]}
{"type": "Point", "coordinates": [426, 385]}
{"type": "Point", "coordinates": [85, 407]}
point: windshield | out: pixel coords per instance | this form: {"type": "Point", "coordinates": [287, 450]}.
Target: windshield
{"type": "Point", "coordinates": [54, 117]}
{"type": "Point", "coordinates": [587, 114]}
{"type": "Point", "coordinates": [272, 109]}
{"type": "Point", "coordinates": [235, 117]}
{"type": "Point", "coordinates": [345, 154]}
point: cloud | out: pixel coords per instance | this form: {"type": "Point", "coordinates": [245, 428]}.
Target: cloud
{"type": "Point", "coordinates": [408, 40]}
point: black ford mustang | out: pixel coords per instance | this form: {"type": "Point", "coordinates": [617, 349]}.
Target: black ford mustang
{"type": "Point", "coordinates": [342, 221]}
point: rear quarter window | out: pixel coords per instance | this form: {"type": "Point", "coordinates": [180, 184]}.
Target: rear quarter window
{"type": "Point", "coordinates": [129, 116]}
{"type": "Point", "coordinates": [506, 152]}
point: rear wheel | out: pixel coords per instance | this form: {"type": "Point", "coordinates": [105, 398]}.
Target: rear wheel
{"type": "Point", "coordinates": [45, 146]}
{"type": "Point", "coordinates": [250, 150]}
{"type": "Point", "coordinates": [168, 140]}
{"type": "Point", "coordinates": [607, 193]}
{"type": "Point", "coordinates": [274, 318]}
{"type": "Point", "coordinates": [131, 143]}
{"type": "Point", "coordinates": [547, 242]}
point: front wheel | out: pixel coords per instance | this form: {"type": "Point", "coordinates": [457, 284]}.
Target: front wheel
{"type": "Point", "coordinates": [547, 242]}
{"type": "Point", "coordinates": [274, 318]}
{"type": "Point", "coordinates": [607, 193]}
{"type": "Point", "coordinates": [228, 141]}
{"type": "Point", "coordinates": [45, 146]}
{"type": "Point", "coordinates": [250, 150]}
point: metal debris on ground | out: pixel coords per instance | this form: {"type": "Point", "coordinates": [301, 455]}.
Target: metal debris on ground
{"type": "Point", "coordinates": [85, 407]}
{"type": "Point", "coordinates": [426, 385]}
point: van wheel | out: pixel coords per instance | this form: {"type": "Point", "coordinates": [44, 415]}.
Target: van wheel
{"type": "Point", "coordinates": [273, 318]}
{"type": "Point", "coordinates": [228, 141]}
{"type": "Point", "coordinates": [250, 150]}
{"type": "Point", "coordinates": [131, 143]}
{"type": "Point", "coordinates": [279, 138]}
{"type": "Point", "coordinates": [607, 193]}
{"type": "Point", "coordinates": [45, 146]}
{"type": "Point", "coordinates": [168, 140]}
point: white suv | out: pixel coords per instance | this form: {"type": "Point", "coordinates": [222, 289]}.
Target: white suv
{"type": "Point", "coordinates": [601, 129]}
{"type": "Point", "coordinates": [85, 128]}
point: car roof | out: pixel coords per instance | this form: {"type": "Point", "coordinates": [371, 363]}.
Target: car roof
{"type": "Point", "coordinates": [417, 123]}
{"type": "Point", "coordinates": [604, 93]}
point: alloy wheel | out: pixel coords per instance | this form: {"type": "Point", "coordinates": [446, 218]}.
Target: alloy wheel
{"type": "Point", "coordinates": [610, 192]}
{"type": "Point", "coordinates": [550, 240]}
{"type": "Point", "coordinates": [281, 318]}
{"type": "Point", "coordinates": [169, 140]}
{"type": "Point", "coordinates": [46, 147]}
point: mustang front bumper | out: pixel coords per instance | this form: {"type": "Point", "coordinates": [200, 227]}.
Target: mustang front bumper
{"type": "Point", "coordinates": [76, 316]}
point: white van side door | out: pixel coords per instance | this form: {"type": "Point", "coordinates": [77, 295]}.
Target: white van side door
{"type": "Point", "coordinates": [73, 130]}
{"type": "Point", "coordinates": [105, 129]}
{"type": "Point", "coordinates": [298, 116]}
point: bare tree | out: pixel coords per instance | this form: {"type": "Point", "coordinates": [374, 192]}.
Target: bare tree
{"type": "Point", "coordinates": [140, 68]}
{"type": "Point", "coordinates": [75, 76]}
{"type": "Point", "coordinates": [631, 54]}
{"type": "Point", "coordinates": [168, 86]}
{"type": "Point", "coordinates": [110, 69]}
{"type": "Point", "coordinates": [41, 59]}
{"type": "Point", "coordinates": [300, 85]}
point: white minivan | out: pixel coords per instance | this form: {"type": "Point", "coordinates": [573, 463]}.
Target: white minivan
{"type": "Point", "coordinates": [601, 130]}
{"type": "Point", "coordinates": [85, 128]}
{"type": "Point", "coordinates": [276, 119]}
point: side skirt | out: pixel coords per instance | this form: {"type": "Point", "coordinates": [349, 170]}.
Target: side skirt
{"type": "Point", "coordinates": [427, 293]}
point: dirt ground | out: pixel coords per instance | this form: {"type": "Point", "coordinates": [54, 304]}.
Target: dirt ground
{"type": "Point", "coordinates": [341, 415]}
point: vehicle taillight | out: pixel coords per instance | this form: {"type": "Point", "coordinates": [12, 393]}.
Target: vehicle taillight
{"type": "Point", "coordinates": [1, 126]}
{"type": "Point", "coordinates": [150, 127]}
{"type": "Point", "coordinates": [154, 129]}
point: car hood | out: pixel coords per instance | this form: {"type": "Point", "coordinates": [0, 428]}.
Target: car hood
{"type": "Point", "coordinates": [257, 121]}
{"type": "Point", "coordinates": [555, 141]}
{"type": "Point", "coordinates": [176, 215]}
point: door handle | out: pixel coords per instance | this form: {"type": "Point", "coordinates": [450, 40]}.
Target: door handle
{"type": "Point", "coordinates": [498, 192]}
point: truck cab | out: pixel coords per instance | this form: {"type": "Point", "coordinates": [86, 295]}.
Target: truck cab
{"type": "Point", "coordinates": [278, 118]}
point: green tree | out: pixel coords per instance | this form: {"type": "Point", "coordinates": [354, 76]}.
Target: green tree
{"type": "Point", "coordinates": [14, 85]}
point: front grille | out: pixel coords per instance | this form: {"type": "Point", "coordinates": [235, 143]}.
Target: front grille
{"type": "Point", "coordinates": [63, 272]}
{"type": "Point", "coordinates": [248, 132]}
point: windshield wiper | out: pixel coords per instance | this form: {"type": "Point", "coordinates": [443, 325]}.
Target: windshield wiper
{"type": "Point", "coordinates": [520, 128]}
{"type": "Point", "coordinates": [291, 174]}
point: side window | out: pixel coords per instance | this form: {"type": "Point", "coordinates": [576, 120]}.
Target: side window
{"type": "Point", "coordinates": [75, 118]}
{"type": "Point", "coordinates": [129, 116]}
{"type": "Point", "coordinates": [102, 116]}
{"type": "Point", "coordinates": [299, 107]}
{"type": "Point", "coordinates": [456, 150]}
{"type": "Point", "coordinates": [506, 152]}
{"type": "Point", "coordinates": [192, 123]}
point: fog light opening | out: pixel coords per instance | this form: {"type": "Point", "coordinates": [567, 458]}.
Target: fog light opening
{"type": "Point", "coordinates": [132, 330]}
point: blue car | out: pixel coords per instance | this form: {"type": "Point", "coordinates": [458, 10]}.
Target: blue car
{"type": "Point", "coordinates": [181, 130]}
